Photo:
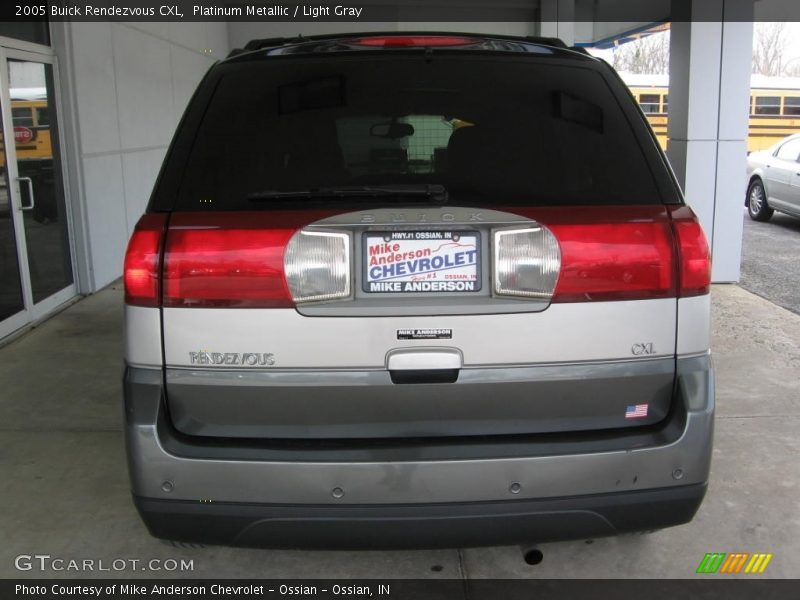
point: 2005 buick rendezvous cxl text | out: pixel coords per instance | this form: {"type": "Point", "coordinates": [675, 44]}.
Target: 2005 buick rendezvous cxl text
{"type": "Point", "coordinates": [414, 290]}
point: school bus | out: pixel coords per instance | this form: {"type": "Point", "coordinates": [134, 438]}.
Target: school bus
{"type": "Point", "coordinates": [31, 125]}
{"type": "Point", "coordinates": [31, 121]}
{"type": "Point", "coordinates": [774, 107]}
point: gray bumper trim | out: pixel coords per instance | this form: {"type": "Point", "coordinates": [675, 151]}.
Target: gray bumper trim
{"type": "Point", "coordinates": [683, 460]}
{"type": "Point", "coordinates": [415, 526]}
{"type": "Point", "coordinates": [339, 404]}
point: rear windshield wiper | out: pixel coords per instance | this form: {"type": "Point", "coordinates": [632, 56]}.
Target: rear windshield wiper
{"type": "Point", "coordinates": [435, 192]}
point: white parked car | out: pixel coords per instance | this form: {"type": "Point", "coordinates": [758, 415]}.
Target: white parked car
{"type": "Point", "coordinates": [773, 177]}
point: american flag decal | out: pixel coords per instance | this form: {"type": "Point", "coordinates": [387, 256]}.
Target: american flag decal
{"type": "Point", "coordinates": [636, 411]}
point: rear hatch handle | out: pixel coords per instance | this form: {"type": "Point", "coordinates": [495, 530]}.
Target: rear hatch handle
{"type": "Point", "coordinates": [424, 365]}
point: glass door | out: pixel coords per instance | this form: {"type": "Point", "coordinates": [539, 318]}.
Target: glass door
{"type": "Point", "coordinates": [35, 257]}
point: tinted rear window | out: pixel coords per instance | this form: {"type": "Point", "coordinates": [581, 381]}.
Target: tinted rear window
{"type": "Point", "coordinates": [494, 131]}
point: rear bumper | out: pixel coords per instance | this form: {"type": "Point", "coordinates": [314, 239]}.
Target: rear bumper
{"type": "Point", "coordinates": [420, 526]}
{"type": "Point", "coordinates": [500, 489]}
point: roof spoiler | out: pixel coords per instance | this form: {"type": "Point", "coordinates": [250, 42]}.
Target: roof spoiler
{"type": "Point", "coordinates": [260, 44]}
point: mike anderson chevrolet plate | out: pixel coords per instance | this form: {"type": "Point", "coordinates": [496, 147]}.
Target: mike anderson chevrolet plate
{"type": "Point", "coordinates": [421, 261]}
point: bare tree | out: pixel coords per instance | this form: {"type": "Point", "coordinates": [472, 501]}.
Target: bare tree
{"type": "Point", "coordinates": [648, 55]}
{"type": "Point", "coordinates": [769, 48]}
{"type": "Point", "coordinates": [793, 69]}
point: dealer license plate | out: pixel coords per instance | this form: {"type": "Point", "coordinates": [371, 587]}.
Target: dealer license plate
{"type": "Point", "coordinates": [403, 262]}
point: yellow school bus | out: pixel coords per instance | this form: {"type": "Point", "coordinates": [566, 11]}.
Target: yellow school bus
{"type": "Point", "coordinates": [774, 107]}
{"type": "Point", "coordinates": [31, 121]}
{"type": "Point", "coordinates": [774, 110]}
{"type": "Point", "coordinates": [31, 125]}
{"type": "Point", "coordinates": [651, 92]}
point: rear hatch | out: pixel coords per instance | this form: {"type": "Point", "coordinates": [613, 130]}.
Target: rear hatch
{"type": "Point", "coordinates": [420, 242]}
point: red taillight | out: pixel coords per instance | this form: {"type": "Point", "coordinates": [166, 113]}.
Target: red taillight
{"type": "Point", "coordinates": [225, 266]}
{"type": "Point", "coordinates": [142, 261]}
{"type": "Point", "coordinates": [694, 259]}
{"type": "Point", "coordinates": [614, 261]}
{"type": "Point", "coordinates": [627, 252]}
{"type": "Point", "coordinates": [410, 41]}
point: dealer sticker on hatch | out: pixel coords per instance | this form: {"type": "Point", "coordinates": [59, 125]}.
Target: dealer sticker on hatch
{"type": "Point", "coordinates": [421, 261]}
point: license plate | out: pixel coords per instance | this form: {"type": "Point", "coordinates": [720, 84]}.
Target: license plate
{"type": "Point", "coordinates": [406, 262]}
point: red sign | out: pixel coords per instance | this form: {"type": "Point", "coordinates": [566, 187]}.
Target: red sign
{"type": "Point", "coordinates": [22, 135]}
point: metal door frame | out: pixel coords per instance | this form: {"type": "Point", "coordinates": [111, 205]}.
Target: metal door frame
{"type": "Point", "coordinates": [32, 312]}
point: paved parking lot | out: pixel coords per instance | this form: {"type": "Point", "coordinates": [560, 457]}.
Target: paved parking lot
{"type": "Point", "coordinates": [770, 260]}
{"type": "Point", "coordinates": [66, 490]}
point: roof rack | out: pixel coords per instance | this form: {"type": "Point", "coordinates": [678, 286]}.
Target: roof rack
{"type": "Point", "coordinates": [260, 44]}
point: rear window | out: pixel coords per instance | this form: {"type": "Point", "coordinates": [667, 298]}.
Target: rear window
{"type": "Point", "coordinates": [494, 131]}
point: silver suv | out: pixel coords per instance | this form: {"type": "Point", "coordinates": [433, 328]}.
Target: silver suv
{"type": "Point", "coordinates": [409, 290]}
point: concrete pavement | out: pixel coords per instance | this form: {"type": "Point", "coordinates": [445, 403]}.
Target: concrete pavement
{"type": "Point", "coordinates": [65, 488]}
{"type": "Point", "coordinates": [769, 260]}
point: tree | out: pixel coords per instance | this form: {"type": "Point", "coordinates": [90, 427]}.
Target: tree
{"type": "Point", "coordinates": [792, 70]}
{"type": "Point", "coordinates": [650, 54]}
{"type": "Point", "coordinates": [647, 55]}
{"type": "Point", "coordinates": [769, 49]}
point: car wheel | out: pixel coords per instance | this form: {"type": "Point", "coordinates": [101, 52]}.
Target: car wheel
{"type": "Point", "coordinates": [757, 205]}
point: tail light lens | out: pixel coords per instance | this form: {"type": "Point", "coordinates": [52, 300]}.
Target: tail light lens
{"type": "Point", "coordinates": [694, 258]}
{"type": "Point", "coordinates": [234, 260]}
{"type": "Point", "coordinates": [526, 262]}
{"type": "Point", "coordinates": [647, 253]}
{"type": "Point", "coordinates": [225, 267]}
{"type": "Point", "coordinates": [614, 261]}
{"type": "Point", "coordinates": [143, 261]}
{"type": "Point", "coordinates": [317, 266]}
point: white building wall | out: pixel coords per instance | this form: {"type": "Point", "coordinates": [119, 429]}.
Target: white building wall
{"type": "Point", "coordinates": [124, 87]}
{"type": "Point", "coordinates": [709, 93]}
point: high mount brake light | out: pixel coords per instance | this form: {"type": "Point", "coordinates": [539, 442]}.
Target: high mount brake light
{"type": "Point", "coordinates": [412, 41]}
